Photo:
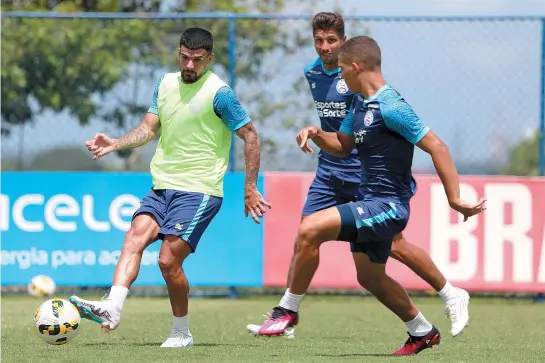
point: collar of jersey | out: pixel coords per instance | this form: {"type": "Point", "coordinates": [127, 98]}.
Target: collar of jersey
{"type": "Point", "coordinates": [331, 72]}
{"type": "Point", "coordinates": [379, 91]}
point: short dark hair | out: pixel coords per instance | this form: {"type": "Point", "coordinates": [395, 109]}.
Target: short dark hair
{"type": "Point", "coordinates": [328, 21]}
{"type": "Point", "coordinates": [362, 49]}
{"type": "Point", "coordinates": [197, 38]}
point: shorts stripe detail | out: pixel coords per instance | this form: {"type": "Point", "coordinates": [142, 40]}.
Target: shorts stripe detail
{"type": "Point", "coordinates": [380, 218]}
{"type": "Point", "coordinates": [198, 215]}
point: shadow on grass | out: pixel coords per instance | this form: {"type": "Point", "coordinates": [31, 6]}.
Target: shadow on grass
{"type": "Point", "coordinates": [357, 355]}
{"type": "Point", "coordinates": [158, 344]}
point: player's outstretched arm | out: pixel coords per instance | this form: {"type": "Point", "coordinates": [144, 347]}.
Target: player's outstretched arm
{"type": "Point", "coordinates": [448, 174]}
{"type": "Point", "coordinates": [400, 117]}
{"type": "Point", "coordinates": [254, 203]}
{"type": "Point", "coordinates": [102, 144]}
{"type": "Point", "coordinates": [141, 134]}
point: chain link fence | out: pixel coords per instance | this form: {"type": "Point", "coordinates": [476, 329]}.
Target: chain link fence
{"type": "Point", "coordinates": [478, 82]}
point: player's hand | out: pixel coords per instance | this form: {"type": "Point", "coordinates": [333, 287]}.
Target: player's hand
{"type": "Point", "coordinates": [100, 145]}
{"type": "Point", "coordinates": [304, 135]}
{"type": "Point", "coordinates": [468, 209]}
{"type": "Point", "coordinates": [254, 204]}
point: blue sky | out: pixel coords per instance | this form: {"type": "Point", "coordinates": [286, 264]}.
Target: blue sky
{"type": "Point", "coordinates": [475, 83]}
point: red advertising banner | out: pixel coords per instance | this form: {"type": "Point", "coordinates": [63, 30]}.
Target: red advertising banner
{"type": "Point", "coordinates": [503, 249]}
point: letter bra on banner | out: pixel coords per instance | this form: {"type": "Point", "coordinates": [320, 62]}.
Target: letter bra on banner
{"type": "Point", "coordinates": [71, 226]}
{"type": "Point", "coordinates": [503, 249]}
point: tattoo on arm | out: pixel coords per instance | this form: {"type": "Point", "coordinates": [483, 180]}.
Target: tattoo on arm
{"type": "Point", "coordinates": [252, 153]}
{"type": "Point", "coordinates": [138, 136]}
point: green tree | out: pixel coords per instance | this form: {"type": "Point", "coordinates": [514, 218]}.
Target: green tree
{"type": "Point", "coordinates": [73, 65]}
{"type": "Point", "coordinates": [523, 158]}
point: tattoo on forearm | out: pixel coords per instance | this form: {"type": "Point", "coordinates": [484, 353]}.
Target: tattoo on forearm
{"type": "Point", "coordinates": [134, 138]}
{"type": "Point", "coordinates": [252, 153]}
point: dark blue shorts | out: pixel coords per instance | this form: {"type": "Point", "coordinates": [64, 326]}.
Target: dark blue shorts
{"type": "Point", "coordinates": [182, 214]}
{"type": "Point", "coordinates": [331, 188]}
{"type": "Point", "coordinates": [371, 225]}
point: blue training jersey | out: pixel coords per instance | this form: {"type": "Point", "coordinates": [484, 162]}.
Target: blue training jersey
{"type": "Point", "coordinates": [385, 129]}
{"type": "Point", "coordinates": [332, 99]}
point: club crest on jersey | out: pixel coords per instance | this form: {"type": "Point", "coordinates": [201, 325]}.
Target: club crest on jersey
{"type": "Point", "coordinates": [368, 119]}
{"type": "Point", "coordinates": [341, 86]}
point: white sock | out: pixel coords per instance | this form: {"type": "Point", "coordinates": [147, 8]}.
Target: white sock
{"type": "Point", "coordinates": [419, 326]}
{"type": "Point", "coordinates": [118, 294]}
{"type": "Point", "coordinates": [448, 291]}
{"type": "Point", "coordinates": [181, 323]}
{"type": "Point", "coordinates": [291, 301]}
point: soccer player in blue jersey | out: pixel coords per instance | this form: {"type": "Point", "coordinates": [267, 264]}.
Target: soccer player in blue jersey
{"type": "Point", "coordinates": [384, 129]}
{"type": "Point", "coordinates": [338, 179]}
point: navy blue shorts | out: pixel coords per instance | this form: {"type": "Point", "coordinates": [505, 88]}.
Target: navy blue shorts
{"type": "Point", "coordinates": [331, 188]}
{"type": "Point", "coordinates": [371, 225]}
{"type": "Point", "coordinates": [182, 214]}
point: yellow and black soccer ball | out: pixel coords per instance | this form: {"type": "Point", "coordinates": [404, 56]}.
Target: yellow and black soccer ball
{"type": "Point", "coordinates": [57, 321]}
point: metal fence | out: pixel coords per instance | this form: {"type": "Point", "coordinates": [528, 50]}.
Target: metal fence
{"type": "Point", "coordinates": [479, 82]}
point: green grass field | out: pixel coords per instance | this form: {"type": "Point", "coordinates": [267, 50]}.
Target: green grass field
{"type": "Point", "coordinates": [332, 329]}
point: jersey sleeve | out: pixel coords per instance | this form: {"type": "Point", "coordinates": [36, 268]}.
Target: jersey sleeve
{"type": "Point", "coordinates": [153, 108]}
{"type": "Point", "coordinates": [401, 118]}
{"type": "Point", "coordinates": [229, 109]}
{"type": "Point", "coordinates": [347, 125]}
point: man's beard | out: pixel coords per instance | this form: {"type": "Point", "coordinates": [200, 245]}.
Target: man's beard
{"type": "Point", "coordinates": [189, 77]}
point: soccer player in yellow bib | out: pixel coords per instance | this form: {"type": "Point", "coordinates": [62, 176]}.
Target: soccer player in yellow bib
{"type": "Point", "coordinates": [197, 112]}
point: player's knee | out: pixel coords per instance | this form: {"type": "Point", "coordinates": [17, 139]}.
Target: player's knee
{"type": "Point", "coordinates": [365, 281]}
{"type": "Point", "coordinates": [307, 235]}
{"type": "Point", "coordinates": [372, 282]}
{"type": "Point", "coordinates": [362, 281]}
{"type": "Point", "coordinates": [168, 265]}
{"type": "Point", "coordinates": [165, 264]}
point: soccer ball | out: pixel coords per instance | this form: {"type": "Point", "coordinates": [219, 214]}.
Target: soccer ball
{"type": "Point", "coordinates": [42, 286]}
{"type": "Point", "coordinates": [57, 321]}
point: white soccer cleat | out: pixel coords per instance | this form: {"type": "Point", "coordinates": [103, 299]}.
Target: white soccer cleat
{"type": "Point", "coordinates": [104, 312]}
{"type": "Point", "coordinates": [178, 339]}
{"type": "Point", "coordinates": [458, 312]}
